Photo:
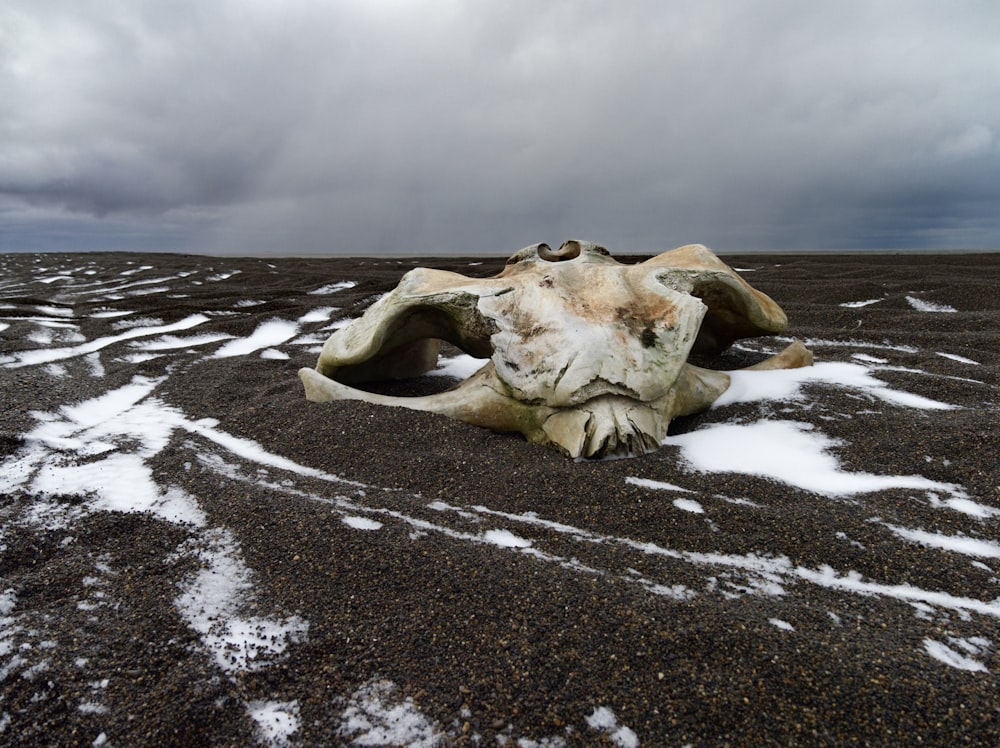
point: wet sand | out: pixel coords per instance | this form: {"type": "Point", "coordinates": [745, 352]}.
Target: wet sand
{"type": "Point", "coordinates": [775, 616]}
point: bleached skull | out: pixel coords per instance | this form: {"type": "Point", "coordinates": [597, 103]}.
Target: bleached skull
{"type": "Point", "coordinates": [585, 354]}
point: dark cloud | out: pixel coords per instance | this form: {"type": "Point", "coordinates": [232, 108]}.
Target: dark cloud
{"type": "Point", "coordinates": [424, 127]}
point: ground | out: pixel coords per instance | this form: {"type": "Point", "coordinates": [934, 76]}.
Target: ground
{"type": "Point", "coordinates": [192, 553]}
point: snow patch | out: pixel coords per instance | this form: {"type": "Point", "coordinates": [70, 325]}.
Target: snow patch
{"type": "Point", "coordinates": [276, 721]}
{"type": "Point", "coordinates": [376, 715]}
{"type": "Point", "coordinates": [951, 658]}
{"type": "Point", "coordinates": [48, 355]}
{"type": "Point", "coordinates": [211, 605]}
{"type": "Point", "coordinates": [656, 485]}
{"type": "Point", "coordinates": [789, 452]}
{"type": "Point", "coordinates": [603, 720]}
{"type": "Point", "coordinates": [273, 354]}
{"type": "Point", "coordinates": [459, 367]}
{"type": "Point", "coordinates": [319, 314]}
{"type": "Point", "coordinates": [333, 288]}
{"type": "Point", "coordinates": [689, 505]}
{"type": "Point", "coordinates": [172, 342]}
{"type": "Point", "coordinates": [960, 359]}
{"type": "Point", "coordinates": [956, 543]}
{"type": "Point", "coordinates": [786, 384]}
{"type": "Point", "coordinates": [505, 539]}
{"type": "Point", "coordinates": [267, 335]}
{"type": "Point", "coordinates": [361, 523]}
{"type": "Point", "coordinates": [928, 306]}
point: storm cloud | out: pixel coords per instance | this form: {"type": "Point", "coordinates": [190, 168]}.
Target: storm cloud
{"type": "Point", "coordinates": [287, 126]}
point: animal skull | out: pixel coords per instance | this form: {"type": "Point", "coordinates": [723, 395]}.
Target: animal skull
{"type": "Point", "coordinates": [586, 355]}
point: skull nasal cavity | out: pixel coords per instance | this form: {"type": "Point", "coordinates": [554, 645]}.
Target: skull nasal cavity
{"type": "Point", "coordinates": [568, 251]}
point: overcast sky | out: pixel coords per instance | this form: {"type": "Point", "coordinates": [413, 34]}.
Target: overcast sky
{"type": "Point", "coordinates": [417, 127]}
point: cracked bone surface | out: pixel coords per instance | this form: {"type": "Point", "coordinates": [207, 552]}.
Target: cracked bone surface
{"type": "Point", "coordinates": [581, 353]}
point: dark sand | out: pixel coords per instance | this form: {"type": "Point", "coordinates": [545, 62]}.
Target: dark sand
{"type": "Point", "coordinates": [489, 642]}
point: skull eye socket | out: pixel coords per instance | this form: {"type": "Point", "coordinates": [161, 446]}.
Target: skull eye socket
{"type": "Point", "coordinates": [568, 251]}
{"type": "Point", "coordinates": [535, 250]}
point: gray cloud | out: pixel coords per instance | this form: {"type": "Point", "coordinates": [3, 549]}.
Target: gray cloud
{"type": "Point", "coordinates": [426, 127]}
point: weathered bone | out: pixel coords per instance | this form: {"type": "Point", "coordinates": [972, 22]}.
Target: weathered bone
{"type": "Point", "coordinates": [586, 354]}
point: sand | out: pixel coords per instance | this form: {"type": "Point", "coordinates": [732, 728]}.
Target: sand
{"type": "Point", "coordinates": [311, 574]}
